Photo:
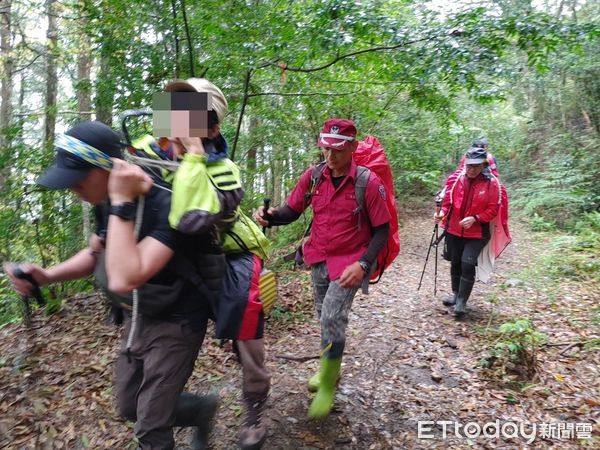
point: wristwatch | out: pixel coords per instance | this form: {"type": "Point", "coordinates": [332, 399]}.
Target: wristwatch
{"type": "Point", "coordinates": [125, 211]}
{"type": "Point", "coordinates": [364, 266]}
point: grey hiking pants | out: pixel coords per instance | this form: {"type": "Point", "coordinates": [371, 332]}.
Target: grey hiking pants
{"type": "Point", "coordinates": [147, 388]}
{"type": "Point", "coordinates": [256, 379]}
{"type": "Point", "coordinates": [332, 305]}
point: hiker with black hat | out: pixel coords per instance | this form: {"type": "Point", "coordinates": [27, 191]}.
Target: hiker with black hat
{"type": "Point", "coordinates": [492, 165]}
{"type": "Point", "coordinates": [471, 202]}
{"type": "Point", "coordinates": [137, 258]}
{"type": "Point", "coordinates": [342, 246]}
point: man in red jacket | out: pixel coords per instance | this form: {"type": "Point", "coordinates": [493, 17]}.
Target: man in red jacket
{"type": "Point", "coordinates": [469, 205]}
{"type": "Point", "coordinates": [342, 246]}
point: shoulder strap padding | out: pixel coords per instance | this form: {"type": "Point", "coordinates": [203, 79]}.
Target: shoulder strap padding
{"type": "Point", "coordinates": [360, 187]}
{"type": "Point", "coordinates": [315, 176]}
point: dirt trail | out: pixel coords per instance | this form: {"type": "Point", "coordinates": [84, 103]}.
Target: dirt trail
{"type": "Point", "coordinates": [407, 359]}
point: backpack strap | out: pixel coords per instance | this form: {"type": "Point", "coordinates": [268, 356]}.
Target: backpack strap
{"type": "Point", "coordinates": [315, 178]}
{"type": "Point", "coordinates": [360, 187]}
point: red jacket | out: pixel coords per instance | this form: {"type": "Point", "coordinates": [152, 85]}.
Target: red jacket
{"type": "Point", "coordinates": [479, 197]}
{"type": "Point", "coordinates": [335, 236]}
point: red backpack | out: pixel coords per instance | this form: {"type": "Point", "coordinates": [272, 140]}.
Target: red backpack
{"type": "Point", "coordinates": [370, 156]}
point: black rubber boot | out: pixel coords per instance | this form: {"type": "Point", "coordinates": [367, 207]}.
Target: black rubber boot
{"type": "Point", "coordinates": [198, 412]}
{"type": "Point", "coordinates": [450, 300]}
{"type": "Point", "coordinates": [254, 432]}
{"type": "Point", "coordinates": [115, 316]}
{"type": "Point", "coordinates": [464, 291]}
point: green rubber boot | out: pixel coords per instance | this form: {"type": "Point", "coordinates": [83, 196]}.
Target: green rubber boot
{"type": "Point", "coordinates": [314, 382]}
{"type": "Point", "coordinates": [323, 401]}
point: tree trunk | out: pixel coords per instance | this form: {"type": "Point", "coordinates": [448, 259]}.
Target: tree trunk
{"type": "Point", "coordinates": [560, 8]}
{"type": "Point", "coordinates": [250, 172]}
{"type": "Point", "coordinates": [84, 102]}
{"type": "Point", "coordinates": [105, 88]}
{"type": "Point", "coordinates": [188, 35]}
{"type": "Point", "coordinates": [6, 74]}
{"type": "Point", "coordinates": [175, 37]}
{"type": "Point", "coordinates": [51, 74]}
{"type": "Point", "coordinates": [277, 178]}
{"type": "Point", "coordinates": [84, 66]}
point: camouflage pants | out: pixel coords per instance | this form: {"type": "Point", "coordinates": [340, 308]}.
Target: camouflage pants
{"type": "Point", "coordinates": [332, 304]}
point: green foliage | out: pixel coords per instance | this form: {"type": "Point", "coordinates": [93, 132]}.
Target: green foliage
{"type": "Point", "coordinates": [424, 84]}
{"type": "Point", "coordinates": [558, 192]}
{"type": "Point", "coordinates": [570, 256]}
{"type": "Point", "coordinates": [292, 233]}
{"type": "Point", "coordinates": [592, 343]}
{"type": "Point", "coordinates": [588, 231]}
{"type": "Point", "coordinates": [281, 314]}
{"type": "Point", "coordinates": [538, 223]}
{"type": "Point", "coordinates": [515, 347]}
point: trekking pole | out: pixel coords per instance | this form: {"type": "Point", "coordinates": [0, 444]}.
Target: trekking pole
{"type": "Point", "coordinates": [435, 240]}
{"type": "Point", "coordinates": [431, 243]}
{"type": "Point", "coordinates": [438, 206]}
{"type": "Point", "coordinates": [266, 205]}
{"type": "Point", "coordinates": [35, 292]}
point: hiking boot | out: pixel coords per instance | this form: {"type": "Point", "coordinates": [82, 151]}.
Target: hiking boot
{"type": "Point", "coordinates": [450, 300]}
{"type": "Point", "coordinates": [323, 401]}
{"type": "Point", "coordinates": [198, 412]}
{"type": "Point", "coordinates": [254, 432]}
{"type": "Point", "coordinates": [464, 291]}
{"type": "Point", "coordinates": [115, 316]}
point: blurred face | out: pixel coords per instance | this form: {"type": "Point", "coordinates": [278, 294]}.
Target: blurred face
{"type": "Point", "coordinates": [473, 170]}
{"type": "Point", "coordinates": [339, 161]}
{"type": "Point", "coordinates": [93, 188]}
{"type": "Point", "coordinates": [181, 114]}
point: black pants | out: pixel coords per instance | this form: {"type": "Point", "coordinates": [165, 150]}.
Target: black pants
{"type": "Point", "coordinates": [462, 254]}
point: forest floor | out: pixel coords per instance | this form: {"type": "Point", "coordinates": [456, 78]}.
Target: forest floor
{"type": "Point", "coordinates": [407, 360]}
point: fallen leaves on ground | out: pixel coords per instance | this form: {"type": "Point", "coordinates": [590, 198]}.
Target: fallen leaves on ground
{"type": "Point", "coordinates": [406, 360]}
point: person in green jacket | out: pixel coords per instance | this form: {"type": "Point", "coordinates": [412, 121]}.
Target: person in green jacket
{"type": "Point", "coordinates": [238, 312]}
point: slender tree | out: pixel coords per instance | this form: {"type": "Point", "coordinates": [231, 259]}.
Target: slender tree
{"type": "Point", "coordinates": [6, 74]}
{"type": "Point", "coordinates": [51, 74]}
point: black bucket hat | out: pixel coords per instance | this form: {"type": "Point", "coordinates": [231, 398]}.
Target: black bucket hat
{"type": "Point", "coordinates": [476, 155]}
{"type": "Point", "coordinates": [99, 141]}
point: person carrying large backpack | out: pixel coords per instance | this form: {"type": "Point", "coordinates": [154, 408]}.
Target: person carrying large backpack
{"type": "Point", "coordinates": [206, 179]}
{"type": "Point", "coordinates": [343, 244]}
{"type": "Point", "coordinates": [471, 202]}
{"type": "Point", "coordinates": [138, 259]}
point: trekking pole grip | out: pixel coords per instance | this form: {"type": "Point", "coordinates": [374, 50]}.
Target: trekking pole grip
{"type": "Point", "coordinates": [266, 215]}
{"type": "Point", "coordinates": [35, 292]}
